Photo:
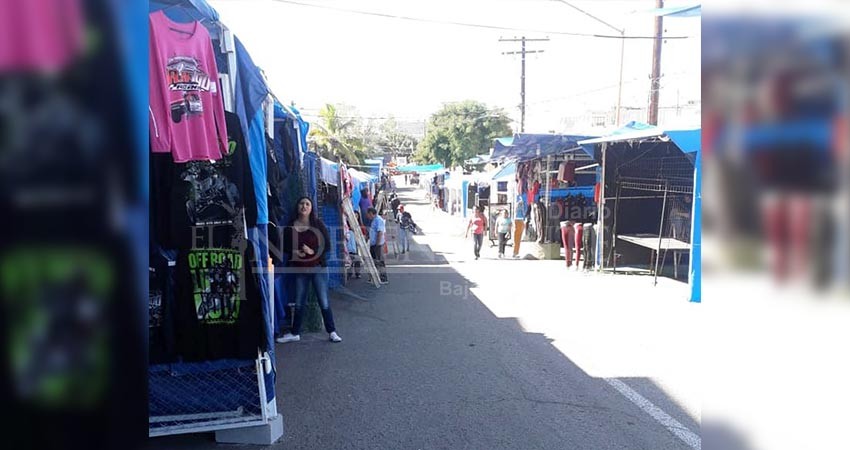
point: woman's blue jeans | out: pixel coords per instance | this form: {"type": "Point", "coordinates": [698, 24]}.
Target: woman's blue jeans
{"type": "Point", "coordinates": [318, 276]}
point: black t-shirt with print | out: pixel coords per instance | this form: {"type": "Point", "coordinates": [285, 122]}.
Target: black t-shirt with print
{"type": "Point", "coordinates": [218, 313]}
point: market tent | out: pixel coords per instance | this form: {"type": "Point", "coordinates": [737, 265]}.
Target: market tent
{"type": "Point", "coordinates": [530, 146]}
{"type": "Point", "coordinates": [250, 91]}
{"type": "Point", "coordinates": [421, 168]}
{"type": "Point", "coordinates": [361, 177]}
{"type": "Point", "coordinates": [689, 142]}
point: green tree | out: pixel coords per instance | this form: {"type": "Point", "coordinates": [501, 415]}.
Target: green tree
{"type": "Point", "coordinates": [393, 141]}
{"type": "Point", "coordinates": [460, 131]}
{"type": "Point", "coordinates": [337, 136]}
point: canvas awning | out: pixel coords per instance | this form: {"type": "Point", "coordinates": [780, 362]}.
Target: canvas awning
{"type": "Point", "coordinates": [688, 140]}
{"type": "Point", "coordinates": [530, 146]}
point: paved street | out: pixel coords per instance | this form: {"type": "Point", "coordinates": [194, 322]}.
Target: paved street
{"type": "Point", "coordinates": [509, 354]}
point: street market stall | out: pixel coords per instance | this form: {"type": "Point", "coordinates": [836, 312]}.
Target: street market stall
{"type": "Point", "coordinates": [650, 184]}
{"type": "Point", "coordinates": [211, 303]}
{"type": "Point", "coordinates": [555, 181]}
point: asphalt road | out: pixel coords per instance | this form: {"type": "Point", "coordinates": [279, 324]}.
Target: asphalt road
{"type": "Point", "coordinates": [426, 364]}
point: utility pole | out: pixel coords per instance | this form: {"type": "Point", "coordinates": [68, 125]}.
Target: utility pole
{"type": "Point", "coordinates": [655, 80]}
{"type": "Point", "coordinates": [523, 52]}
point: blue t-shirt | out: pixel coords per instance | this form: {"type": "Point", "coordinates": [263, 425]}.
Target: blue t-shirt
{"type": "Point", "coordinates": [378, 225]}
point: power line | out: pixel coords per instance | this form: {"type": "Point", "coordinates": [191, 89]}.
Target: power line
{"type": "Point", "coordinates": [471, 25]}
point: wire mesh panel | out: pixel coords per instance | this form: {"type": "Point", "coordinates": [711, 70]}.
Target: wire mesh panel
{"type": "Point", "coordinates": [331, 216]}
{"type": "Point", "coordinates": [188, 398]}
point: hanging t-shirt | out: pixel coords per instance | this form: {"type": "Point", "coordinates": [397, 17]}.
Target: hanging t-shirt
{"type": "Point", "coordinates": [38, 35]}
{"type": "Point", "coordinates": [218, 310]}
{"type": "Point", "coordinates": [532, 193]}
{"type": "Point", "coordinates": [186, 110]}
{"type": "Point", "coordinates": [567, 171]}
{"type": "Point", "coordinates": [236, 168]}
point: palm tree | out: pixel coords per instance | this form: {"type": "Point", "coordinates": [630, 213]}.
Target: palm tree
{"type": "Point", "coordinates": [335, 137]}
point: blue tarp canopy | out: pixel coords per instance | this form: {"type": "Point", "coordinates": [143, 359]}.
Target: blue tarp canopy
{"type": "Point", "coordinates": [508, 170]}
{"type": "Point", "coordinates": [505, 140]}
{"type": "Point", "coordinates": [530, 146]}
{"type": "Point", "coordinates": [361, 177]}
{"type": "Point", "coordinates": [678, 11]}
{"type": "Point", "coordinates": [688, 140]}
{"type": "Point", "coordinates": [421, 168]}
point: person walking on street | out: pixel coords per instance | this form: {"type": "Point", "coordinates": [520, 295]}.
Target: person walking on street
{"type": "Point", "coordinates": [377, 239]}
{"type": "Point", "coordinates": [406, 227]}
{"type": "Point", "coordinates": [307, 241]}
{"type": "Point", "coordinates": [478, 223]}
{"type": "Point", "coordinates": [503, 230]}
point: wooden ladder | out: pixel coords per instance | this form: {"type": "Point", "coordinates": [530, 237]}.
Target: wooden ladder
{"type": "Point", "coordinates": [362, 246]}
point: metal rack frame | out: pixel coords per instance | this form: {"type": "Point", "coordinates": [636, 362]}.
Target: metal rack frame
{"type": "Point", "coordinates": [667, 186]}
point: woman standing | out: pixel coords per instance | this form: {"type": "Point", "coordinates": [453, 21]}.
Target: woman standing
{"type": "Point", "coordinates": [503, 229]}
{"type": "Point", "coordinates": [478, 223]}
{"type": "Point", "coordinates": [307, 241]}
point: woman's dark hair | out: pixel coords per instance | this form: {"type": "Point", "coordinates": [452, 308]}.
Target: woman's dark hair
{"type": "Point", "coordinates": [315, 221]}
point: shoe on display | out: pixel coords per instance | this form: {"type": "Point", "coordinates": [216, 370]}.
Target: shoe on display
{"type": "Point", "coordinates": [288, 337]}
{"type": "Point", "coordinates": [334, 337]}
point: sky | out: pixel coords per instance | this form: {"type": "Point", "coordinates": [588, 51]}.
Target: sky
{"type": "Point", "coordinates": [409, 68]}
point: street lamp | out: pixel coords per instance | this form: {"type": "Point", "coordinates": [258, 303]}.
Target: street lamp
{"type": "Point", "coordinates": [622, 49]}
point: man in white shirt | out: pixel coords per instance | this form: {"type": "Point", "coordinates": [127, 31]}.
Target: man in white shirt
{"type": "Point", "coordinates": [377, 239]}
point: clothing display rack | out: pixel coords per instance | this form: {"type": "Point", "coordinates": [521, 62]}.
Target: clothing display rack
{"type": "Point", "coordinates": [669, 176]}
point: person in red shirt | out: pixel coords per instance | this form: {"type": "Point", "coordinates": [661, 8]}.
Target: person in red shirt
{"type": "Point", "coordinates": [478, 223]}
{"type": "Point", "coordinates": [307, 241]}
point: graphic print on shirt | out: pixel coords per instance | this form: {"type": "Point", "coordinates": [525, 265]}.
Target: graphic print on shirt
{"type": "Point", "coordinates": [154, 299]}
{"type": "Point", "coordinates": [185, 74]}
{"type": "Point", "coordinates": [216, 284]}
{"type": "Point", "coordinates": [212, 198]}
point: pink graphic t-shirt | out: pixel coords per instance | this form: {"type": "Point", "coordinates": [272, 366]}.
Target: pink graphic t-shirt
{"type": "Point", "coordinates": [186, 110]}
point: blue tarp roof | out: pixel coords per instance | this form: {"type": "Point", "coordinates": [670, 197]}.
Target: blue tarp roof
{"type": "Point", "coordinates": [361, 177]}
{"type": "Point", "coordinates": [505, 140]}
{"type": "Point", "coordinates": [506, 171]}
{"type": "Point", "coordinates": [678, 11]}
{"type": "Point", "coordinates": [688, 140]}
{"type": "Point", "coordinates": [185, 10]}
{"type": "Point", "coordinates": [530, 146]}
{"type": "Point", "coordinates": [421, 168]}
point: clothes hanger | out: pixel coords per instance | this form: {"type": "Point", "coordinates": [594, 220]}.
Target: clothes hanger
{"type": "Point", "coordinates": [202, 21]}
